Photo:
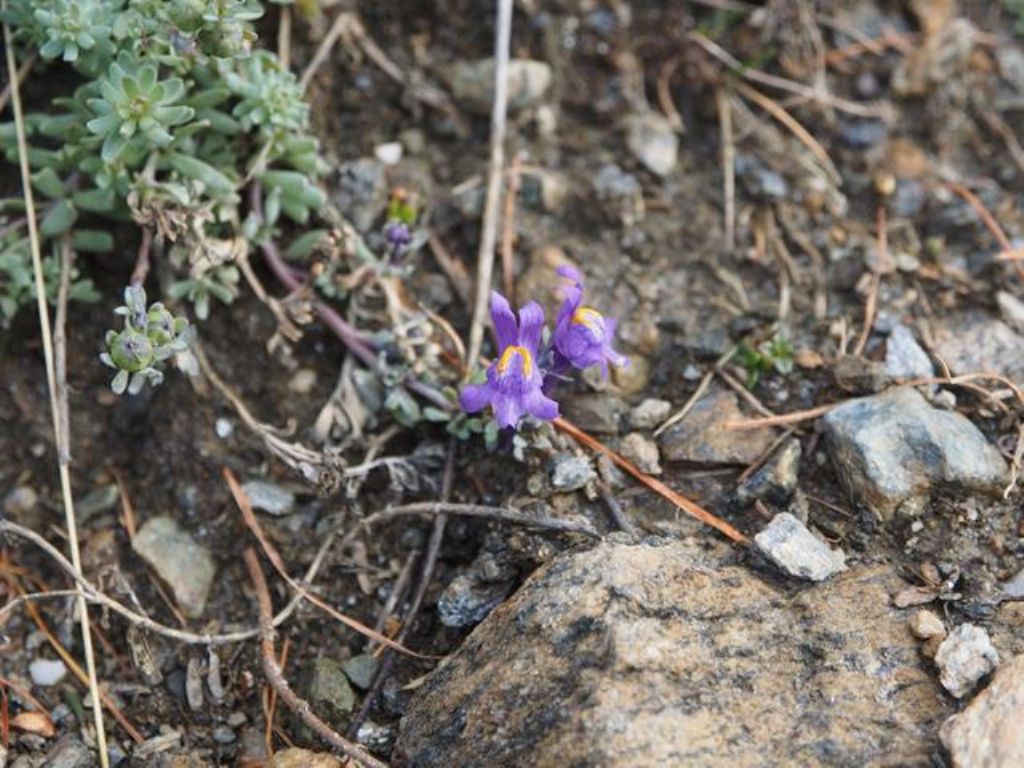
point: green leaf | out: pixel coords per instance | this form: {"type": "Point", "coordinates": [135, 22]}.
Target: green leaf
{"type": "Point", "coordinates": [95, 200]}
{"type": "Point", "coordinates": [305, 245]}
{"type": "Point", "coordinates": [48, 183]}
{"type": "Point", "coordinates": [59, 219]}
{"type": "Point", "coordinates": [200, 171]}
{"type": "Point", "coordinates": [92, 241]}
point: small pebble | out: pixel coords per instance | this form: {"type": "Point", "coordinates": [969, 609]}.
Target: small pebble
{"type": "Point", "coordinates": [47, 672]}
{"type": "Point", "coordinates": [570, 473]}
{"type": "Point", "coordinates": [224, 428]}
{"type": "Point", "coordinates": [650, 413]}
{"type": "Point", "coordinates": [224, 735]}
{"type": "Point", "coordinates": [361, 670]}
{"type": "Point", "coordinates": [925, 625]}
{"type": "Point", "coordinates": [964, 658]}
{"type": "Point", "coordinates": [793, 548]}
{"type": "Point", "coordinates": [269, 498]}
{"type": "Point", "coordinates": [21, 500]}
{"type": "Point", "coordinates": [389, 153]}
{"type": "Point", "coordinates": [302, 381]}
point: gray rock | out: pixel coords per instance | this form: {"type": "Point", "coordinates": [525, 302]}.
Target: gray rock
{"type": "Point", "coordinates": [988, 733]}
{"type": "Point", "coordinates": [97, 500]}
{"type": "Point", "coordinates": [329, 692]}
{"type": "Point", "coordinates": [862, 134]}
{"type": "Point", "coordinates": [702, 436]}
{"type": "Point", "coordinates": [186, 566]}
{"type": "Point", "coordinates": [909, 198]}
{"type": "Point", "coordinates": [269, 498]}
{"type": "Point", "coordinates": [377, 738]}
{"type": "Point", "coordinates": [20, 500]}
{"type": "Point", "coordinates": [964, 658]}
{"type": "Point", "coordinates": [642, 451]}
{"type": "Point", "coordinates": [649, 414]}
{"type": "Point", "coordinates": [1014, 588]}
{"type": "Point", "coordinates": [222, 734]}
{"type": "Point", "coordinates": [361, 669]}
{"type": "Point", "coordinates": [361, 191]}
{"type": "Point", "coordinates": [472, 83]}
{"type": "Point", "coordinates": [973, 342]}
{"type": "Point", "coordinates": [787, 543]}
{"type": "Point", "coordinates": [467, 600]}
{"type": "Point", "coordinates": [647, 655]}
{"type": "Point", "coordinates": [759, 180]}
{"type": "Point", "coordinates": [891, 451]}
{"type": "Point", "coordinates": [776, 480]}
{"type": "Point", "coordinates": [904, 358]}
{"type": "Point", "coordinates": [1011, 66]}
{"type": "Point", "coordinates": [620, 195]}
{"type": "Point", "coordinates": [69, 752]}
{"type": "Point", "coordinates": [1012, 310]}
{"type": "Point", "coordinates": [570, 473]}
{"type": "Point", "coordinates": [652, 140]}
{"type": "Point", "coordinates": [597, 412]}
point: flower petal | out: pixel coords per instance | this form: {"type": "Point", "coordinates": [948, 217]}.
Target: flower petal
{"type": "Point", "coordinates": [476, 397]}
{"type": "Point", "coordinates": [531, 323]}
{"type": "Point", "coordinates": [539, 405]}
{"type": "Point", "coordinates": [504, 320]}
{"type": "Point", "coordinates": [507, 411]}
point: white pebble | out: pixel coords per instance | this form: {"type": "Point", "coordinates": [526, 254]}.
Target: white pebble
{"type": "Point", "coordinates": [389, 153]}
{"type": "Point", "coordinates": [224, 428]}
{"type": "Point", "coordinates": [47, 672]}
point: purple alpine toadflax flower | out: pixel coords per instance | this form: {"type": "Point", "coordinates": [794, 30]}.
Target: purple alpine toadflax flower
{"type": "Point", "coordinates": [514, 385]}
{"type": "Point", "coordinates": [583, 336]}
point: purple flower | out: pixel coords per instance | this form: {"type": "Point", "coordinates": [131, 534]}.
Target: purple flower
{"type": "Point", "coordinates": [583, 336]}
{"type": "Point", "coordinates": [398, 236]}
{"type": "Point", "coordinates": [514, 381]}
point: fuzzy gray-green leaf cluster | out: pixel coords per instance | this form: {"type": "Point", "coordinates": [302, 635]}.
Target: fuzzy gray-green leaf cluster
{"type": "Point", "coordinates": [162, 110]}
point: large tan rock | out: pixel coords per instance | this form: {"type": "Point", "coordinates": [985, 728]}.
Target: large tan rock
{"type": "Point", "coordinates": [990, 732]}
{"type": "Point", "coordinates": [648, 655]}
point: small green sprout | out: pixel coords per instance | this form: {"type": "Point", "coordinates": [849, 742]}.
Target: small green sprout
{"type": "Point", "coordinates": [775, 354]}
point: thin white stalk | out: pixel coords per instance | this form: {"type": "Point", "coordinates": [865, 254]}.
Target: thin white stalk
{"type": "Point", "coordinates": [60, 435]}
{"type": "Point", "coordinates": [489, 228]}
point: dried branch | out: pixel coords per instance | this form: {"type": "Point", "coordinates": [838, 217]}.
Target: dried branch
{"type": "Point", "coordinates": [56, 381]}
{"type": "Point", "coordinates": [489, 228]}
{"type": "Point", "coordinates": [277, 680]}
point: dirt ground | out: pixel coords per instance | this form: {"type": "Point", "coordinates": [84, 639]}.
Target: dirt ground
{"type": "Point", "coordinates": [805, 263]}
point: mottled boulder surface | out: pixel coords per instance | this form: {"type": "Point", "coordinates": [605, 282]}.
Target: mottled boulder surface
{"type": "Point", "coordinates": [650, 655]}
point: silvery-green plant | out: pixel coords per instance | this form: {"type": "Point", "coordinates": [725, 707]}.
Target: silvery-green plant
{"type": "Point", "coordinates": [151, 336]}
{"type": "Point", "coordinates": [167, 114]}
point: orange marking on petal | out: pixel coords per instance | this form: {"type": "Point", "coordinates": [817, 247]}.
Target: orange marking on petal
{"type": "Point", "coordinates": [511, 351]}
{"type": "Point", "coordinates": [590, 318]}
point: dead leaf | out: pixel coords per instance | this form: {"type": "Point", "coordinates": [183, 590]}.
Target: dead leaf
{"type": "Point", "coordinates": [915, 596]}
{"type": "Point", "coordinates": [38, 723]}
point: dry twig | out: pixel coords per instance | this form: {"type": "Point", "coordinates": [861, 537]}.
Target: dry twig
{"type": "Point", "coordinates": [56, 383]}
{"type": "Point", "coordinates": [508, 231]}
{"type": "Point", "coordinates": [691, 508]}
{"type": "Point", "coordinates": [278, 562]}
{"type": "Point", "coordinates": [489, 227]}
{"type": "Point", "coordinates": [790, 86]}
{"type": "Point", "coordinates": [277, 680]}
{"type": "Point", "coordinates": [722, 99]}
